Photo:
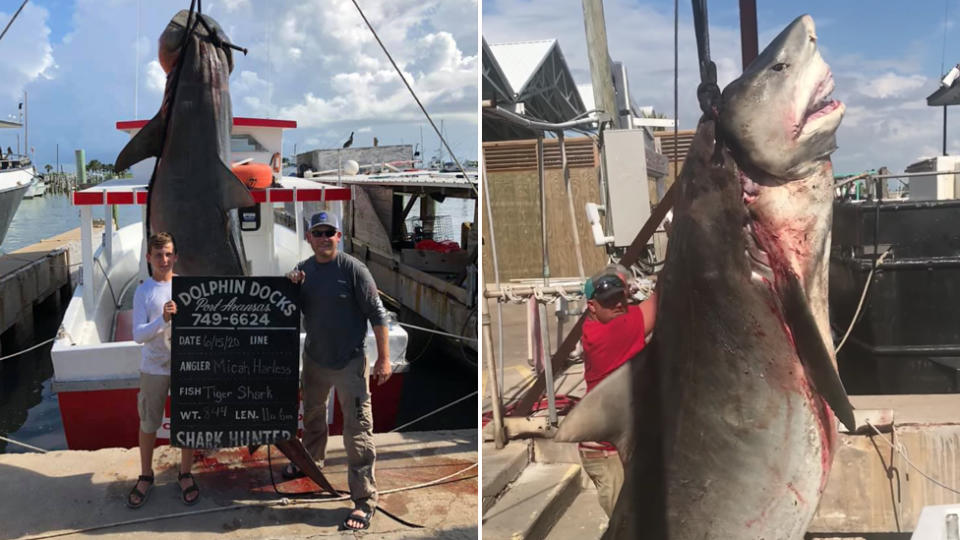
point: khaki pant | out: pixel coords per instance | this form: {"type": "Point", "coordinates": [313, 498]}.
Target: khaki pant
{"type": "Point", "coordinates": [152, 400]}
{"type": "Point", "coordinates": [354, 395]}
{"type": "Point", "coordinates": [607, 475]}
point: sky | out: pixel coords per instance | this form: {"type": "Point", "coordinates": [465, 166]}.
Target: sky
{"type": "Point", "coordinates": [83, 68]}
{"type": "Point", "coordinates": [886, 58]}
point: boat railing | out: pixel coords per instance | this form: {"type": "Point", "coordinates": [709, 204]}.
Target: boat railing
{"type": "Point", "coordinates": [14, 161]}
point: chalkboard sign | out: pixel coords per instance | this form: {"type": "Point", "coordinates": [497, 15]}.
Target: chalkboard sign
{"type": "Point", "coordinates": [234, 361]}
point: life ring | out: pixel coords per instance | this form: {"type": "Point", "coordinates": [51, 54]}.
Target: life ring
{"type": "Point", "coordinates": [254, 175]}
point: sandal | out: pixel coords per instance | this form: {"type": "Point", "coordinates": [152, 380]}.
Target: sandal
{"type": "Point", "coordinates": [291, 471]}
{"type": "Point", "coordinates": [364, 519]}
{"type": "Point", "coordinates": [142, 495]}
{"type": "Point", "coordinates": [188, 490]}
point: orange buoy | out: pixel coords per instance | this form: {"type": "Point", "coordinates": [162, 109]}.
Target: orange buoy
{"type": "Point", "coordinates": [254, 175]}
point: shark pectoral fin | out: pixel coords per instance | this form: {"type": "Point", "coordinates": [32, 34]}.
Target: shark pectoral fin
{"type": "Point", "coordinates": [606, 412]}
{"type": "Point", "coordinates": [813, 351]}
{"type": "Point", "coordinates": [235, 194]}
{"type": "Point", "coordinates": [148, 142]}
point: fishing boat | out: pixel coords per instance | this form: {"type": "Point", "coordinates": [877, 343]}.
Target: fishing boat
{"type": "Point", "coordinates": [425, 262]}
{"type": "Point", "coordinates": [96, 362]}
{"type": "Point", "coordinates": [17, 176]}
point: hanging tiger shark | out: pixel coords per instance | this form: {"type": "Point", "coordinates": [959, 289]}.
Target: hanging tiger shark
{"type": "Point", "coordinates": [727, 422]}
{"type": "Point", "coordinates": [193, 193]}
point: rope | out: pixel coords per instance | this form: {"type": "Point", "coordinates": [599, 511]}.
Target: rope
{"type": "Point", "coordinates": [25, 445]}
{"type": "Point", "coordinates": [42, 343]}
{"type": "Point", "coordinates": [451, 404]}
{"type": "Point", "coordinates": [414, 94]}
{"type": "Point", "coordinates": [116, 302]}
{"type": "Point", "coordinates": [252, 504]}
{"type": "Point", "coordinates": [863, 296]}
{"type": "Point", "coordinates": [438, 332]}
{"type": "Point", "coordinates": [899, 449]}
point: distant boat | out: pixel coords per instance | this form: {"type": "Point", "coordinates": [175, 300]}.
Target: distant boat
{"type": "Point", "coordinates": [36, 189]}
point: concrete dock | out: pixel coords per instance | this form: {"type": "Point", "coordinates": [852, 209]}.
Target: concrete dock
{"type": "Point", "coordinates": [74, 493]}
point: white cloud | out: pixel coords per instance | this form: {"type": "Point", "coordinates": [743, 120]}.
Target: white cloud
{"type": "Point", "coordinates": [156, 79]}
{"type": "Point", "coordinates": [891, 85]}
{"type": "Point", "coordinates": [27, 52]}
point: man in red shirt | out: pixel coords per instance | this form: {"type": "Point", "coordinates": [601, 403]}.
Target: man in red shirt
{"type": "Point", "coordinates": [613, 332]}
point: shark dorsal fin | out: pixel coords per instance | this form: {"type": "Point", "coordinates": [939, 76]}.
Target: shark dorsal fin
{"type": "Point", "coordinates": [148, 142]}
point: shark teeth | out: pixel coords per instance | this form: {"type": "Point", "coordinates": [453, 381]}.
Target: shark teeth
{"type": "Point", "coordinates": [821, 104]}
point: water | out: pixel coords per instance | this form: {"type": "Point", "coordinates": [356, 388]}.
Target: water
{"type": "Point", "coordinates": [44, 217]}
{"type": "Point", "coordinates": [29, 410]}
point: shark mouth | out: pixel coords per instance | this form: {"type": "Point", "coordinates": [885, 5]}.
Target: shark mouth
{"type": "Point", "coordinates": [821, 105]}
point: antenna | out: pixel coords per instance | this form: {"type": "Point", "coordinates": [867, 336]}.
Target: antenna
{"type": "Point", "coordinates": [136, 69]}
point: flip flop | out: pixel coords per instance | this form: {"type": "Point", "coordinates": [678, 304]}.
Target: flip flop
{"type": "Point", "coordinates": [364, 520]}
{"type": "Point", "coordinates": [188, 490]}
{"type": "Point", "coordinates": [291, 472]}
{"type": "Point", "coordinates": [142, 495]}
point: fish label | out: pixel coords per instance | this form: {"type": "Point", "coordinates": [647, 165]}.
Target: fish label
{"type": "Point", "coordinates": [234, 361]}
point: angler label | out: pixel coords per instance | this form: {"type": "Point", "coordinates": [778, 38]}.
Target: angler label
{"type": "Point", "coordinates": [234, 361]}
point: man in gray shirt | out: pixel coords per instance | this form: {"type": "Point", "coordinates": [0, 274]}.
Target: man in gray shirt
{"type": "Point", "coordinates": [337, 297]}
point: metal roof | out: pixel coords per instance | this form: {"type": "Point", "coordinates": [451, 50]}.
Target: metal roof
{"type": "Point", "coordinates": [495, 83]}
{"type": "Point", "coordinates": [534, 74]}
{"type": "Point", "coordinates": [945, 95]}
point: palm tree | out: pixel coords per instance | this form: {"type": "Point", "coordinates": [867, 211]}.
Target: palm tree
{"type": "Point", "coordinates": [47, 168]}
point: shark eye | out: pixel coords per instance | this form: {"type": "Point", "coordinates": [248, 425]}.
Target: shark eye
{"type": "Point", "coordinates": [780, 67]}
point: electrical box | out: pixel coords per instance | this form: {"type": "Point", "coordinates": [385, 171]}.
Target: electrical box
{"type": "Point", "coordinates": [626, 165]}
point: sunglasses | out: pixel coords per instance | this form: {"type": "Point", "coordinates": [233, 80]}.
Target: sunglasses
{"type": "Point", "coordinates": [329, 233]}
{"type": "Point", "coordinates": [613, 301]}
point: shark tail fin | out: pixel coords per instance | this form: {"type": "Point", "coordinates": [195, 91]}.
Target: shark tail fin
{"type": "Point", "coordinates": [148, 142]}
{"type": "Point", "coordinates": [233, 193]}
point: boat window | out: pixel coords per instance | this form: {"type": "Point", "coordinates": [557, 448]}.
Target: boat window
{"type": "Point", "coordinates": [245, 143]}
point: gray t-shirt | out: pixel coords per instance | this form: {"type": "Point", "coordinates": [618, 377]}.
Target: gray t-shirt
{"type": "Point", "coordinates": [337, 298]}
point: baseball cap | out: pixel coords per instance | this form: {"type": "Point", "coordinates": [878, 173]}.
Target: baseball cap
{"type": "Point", "coordinates": [323, 218]}
{"type": "Point", "coordinates": [609, 283]}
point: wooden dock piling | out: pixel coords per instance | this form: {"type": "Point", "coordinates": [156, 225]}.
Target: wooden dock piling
{"type": "Point", "coordinates": [35, 279]}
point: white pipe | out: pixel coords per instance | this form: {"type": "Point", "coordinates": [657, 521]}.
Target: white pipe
{"type": "Point", "coordinates": [107, 231]}
{"type": "Point", "coordinates": [86, 257]}
{"type": "Point", "coordinates": [593, 217]}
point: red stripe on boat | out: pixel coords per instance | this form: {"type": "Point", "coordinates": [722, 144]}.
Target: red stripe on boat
{"type": "Point", "coordinates": [87, 197]}
{"type": "Point", "coordinates": [281, 195]}
{"type": "Point", "coordinates": [119, 197]}
{"type": "Point", "coordinates": [259, 195]}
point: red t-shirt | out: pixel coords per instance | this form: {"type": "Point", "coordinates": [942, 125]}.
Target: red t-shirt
{"type": "Point", "coordinates": [607, 347]}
